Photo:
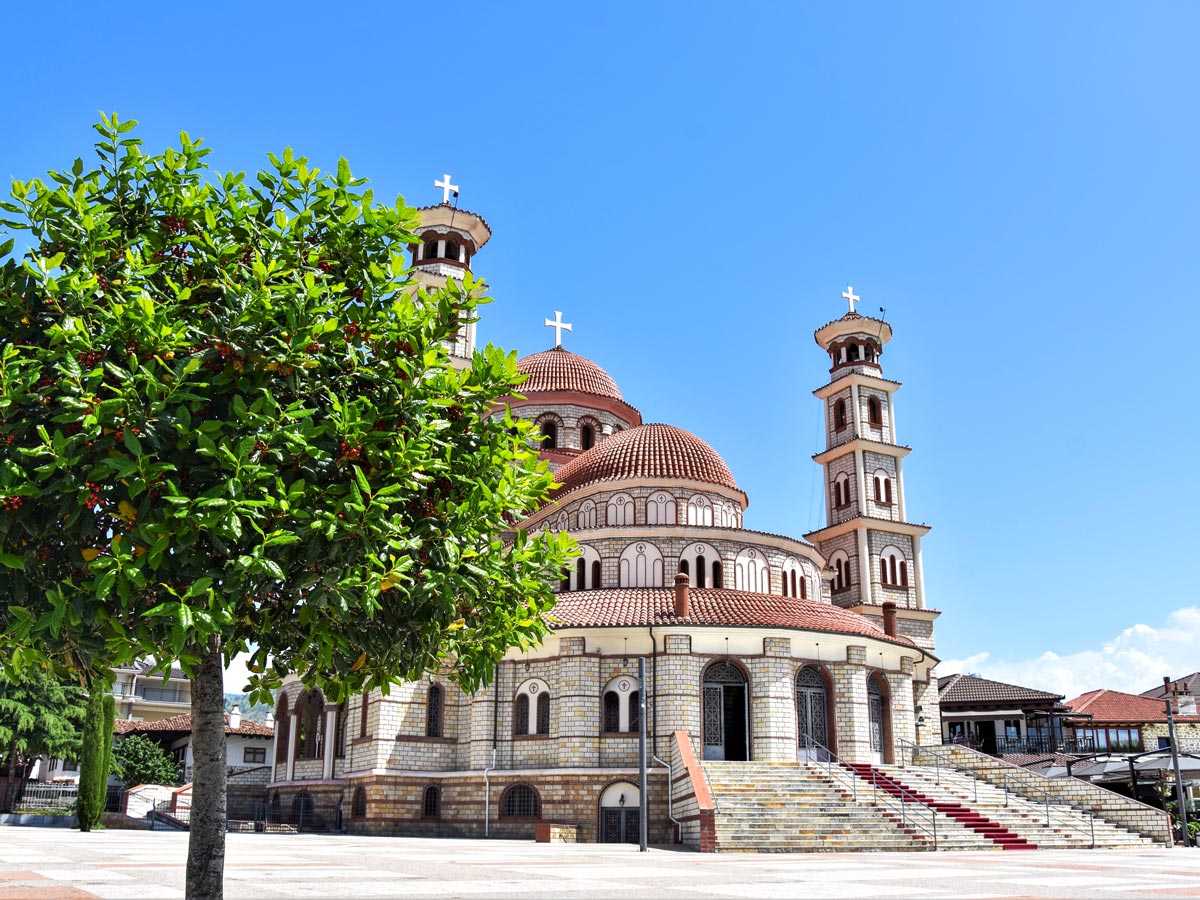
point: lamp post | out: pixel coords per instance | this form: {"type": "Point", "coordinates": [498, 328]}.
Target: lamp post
{"type": "Point", "coordinates": [643, 800]}
{"type": "Point", "coordinates": [1180, 797]}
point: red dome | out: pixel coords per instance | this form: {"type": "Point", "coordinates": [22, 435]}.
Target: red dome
{"type": "Point", "coordinates": [648, 451]}
{"type": "Point", "coordinates": [562, 370]}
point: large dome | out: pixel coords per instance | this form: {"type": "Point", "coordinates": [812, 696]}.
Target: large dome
{"type": "Point", "coordinates": [562, 370]}
{"type": "Point", "coordinates": [647, 451]}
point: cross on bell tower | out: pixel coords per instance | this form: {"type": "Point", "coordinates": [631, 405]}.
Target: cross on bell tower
{"type": "Point", "coordinates": [850, 297]}
{"type": "Point", "coordinates": [447, 188]}
{"type": "Point", "coordinates": [559, 327]}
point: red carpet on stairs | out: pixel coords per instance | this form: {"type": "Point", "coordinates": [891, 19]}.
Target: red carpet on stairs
{"type": "Point", "coordinates": [993, 831]}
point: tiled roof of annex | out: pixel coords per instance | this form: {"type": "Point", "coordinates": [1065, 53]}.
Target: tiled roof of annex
{"type": "Point", "coordinates": [182, 724]}
{"type": "Point", "coordinates": [1104, 706]}
{"type": "Point", "coordinates": [561, 370]}
{"type": "Point", "coordinates": [1188, 684]}
{"type": "Point", "coordinates": [647, 451]}
{"type": "Point", "coordinates": [973, 689]}
{"type": "Point", "coordinates": [625, 607]}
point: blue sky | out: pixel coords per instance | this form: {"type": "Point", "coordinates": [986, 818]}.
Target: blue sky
{"type": "Point", "coordinates": [694, 184]}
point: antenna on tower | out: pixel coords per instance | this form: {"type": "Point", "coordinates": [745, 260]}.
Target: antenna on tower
{"type": "Point", "coordinates": [883, 313]}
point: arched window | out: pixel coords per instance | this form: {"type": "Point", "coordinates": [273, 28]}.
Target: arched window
{"type": "Point", "coordinates": [699, 510]}
{"type": "Point", "coordinates": [635, 711]}
{"type": "Point", "coordinates": [641, 565]}
{"type": "Point", "coordinates": [562, 522]}
{"type": "Point", "coordinates": [887, 490]}
{"type": "Point", "coordinates": [852, 353]}
{"type": "Point", "coordinates": [619, 510]}
{"type": "Point", "coordinates": [452, 250]}
{"type": "Point", "coordinates": [874, 411]}
{"type": "Point", "coordinates": [683, 568]}
{"type": "Point", "coordinates": [730, 517]}
{"type": "Point", "coordinates": [751, 572]}
{"type": "Point", "coordinates": [620, 705]}
{"type": "Point", "coordinates": [362, 714]}
{"type": "Point", "coordinates": [718, 579]}
{"type": "Point", "coordinates": [434, 707]}
{"type": "Point", "coordinates": [283, 728]}
{"type": "Point", "coordinates": [839, 415]}
{"type": "Point", "coordinates": [697, 556]}
{"type": "Point", "coordinates": [588, 429]}
{"type": "Point", "coordinates": [883, 487]}
{"type": "Point", "coordinates": [358, 809]}
{"type": "Point", "coordinates": [564, 583]}
{"type": "Point", "coordinates": [612, 712]}
{"type": "Point", "coordinates": [531, 710]}
{"type": "Point", "coordinates": [580, 574]}
{"type": "Point", "coordinates": [660, 509]}
{"type": "Point", "coordinates": [521, 715]}
{"type": "Point", "coordinates": [520, 802]}
{"type": "Point", "coordinates": [431, 250]}
{"type": "Point", "coordinates": [893, 568]}
{"type": "Point", "coordinates": [431, 803]}
{"type": "Point", "coordinates": [549, 435]}
{"type": "Point", "coordinates": [841, 568]}
{"type": "Point", "coordinates": [587, 514]}
{"type": "Point", "coordinates": [841, 491]}
{"type": "Point", "coordinates": [596, 575]}
{"type": "Point", "coordinates": [310, 708]}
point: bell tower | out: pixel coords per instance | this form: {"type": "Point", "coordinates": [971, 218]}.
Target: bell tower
{"type": "Point", "coordinates": [872, 547]}
{"type": "Point", "coordinates": [449, 238]}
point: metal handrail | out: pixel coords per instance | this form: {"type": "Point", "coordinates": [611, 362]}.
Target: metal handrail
{"type": "Point", "coordinates": [1069, 810]}
{"type": "Point", "coordinates": [937, 764]}
{"type": "Point", "coordinates": [838, 769]}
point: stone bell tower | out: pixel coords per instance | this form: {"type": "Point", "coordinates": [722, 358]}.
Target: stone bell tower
{"type": "Point", "coordinates": [872, 547]}
{"type": "Point", "coordinates": [449, 239]}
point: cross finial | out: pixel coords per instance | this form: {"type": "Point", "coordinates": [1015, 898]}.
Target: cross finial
{"type": "Point", "coordinates": [447, 188]}
{"type": "Point", "coordinates": [559, 327]}
{"type": "Point", "coordinates": [850, 297]}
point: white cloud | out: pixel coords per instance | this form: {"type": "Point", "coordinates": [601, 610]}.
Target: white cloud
{"type": "Point", "coordinates": [1134, 661]}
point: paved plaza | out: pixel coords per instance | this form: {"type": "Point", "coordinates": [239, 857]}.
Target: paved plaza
{"type": "Point", "coordinates": [61, 864]}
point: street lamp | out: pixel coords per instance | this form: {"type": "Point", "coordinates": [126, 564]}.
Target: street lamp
{"type": "Point", "coordinates": [1180, 797]}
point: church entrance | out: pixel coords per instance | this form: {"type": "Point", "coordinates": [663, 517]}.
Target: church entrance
{"type": "Point", "coordinates": [878, 716]}
{"type": "Point", "coordinates": [726, 713]}
{"type": "Point", "coordinates": [620, 819]}
{"type": "Point", "coordinates": [812, 716]}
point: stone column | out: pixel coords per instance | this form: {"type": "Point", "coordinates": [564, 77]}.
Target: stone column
{"type": "Point", "coordinates": [866, 571]}
{"type": "Point", "coordinates": [773, 703]}
{"type": "Point", "coordinates": [577, 704]}
{"type": "Point", "coordinates": [291, 748]}
{"type": "Point", "coordinates": [904, 726]}
{"type": "Point", "coordinates": [919, 572]}
{"type": "Point", "coordinates": [330, 748]}
{"type": "Point", "coordinates": [679, 690]}
{"type": "Point", "coordinates": [850, 705]}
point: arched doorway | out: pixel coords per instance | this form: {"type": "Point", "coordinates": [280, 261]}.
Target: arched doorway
{"type": "Point", "coordinates": [726, 712]}
{"type": "Point", "coordinates": [620, 814]}
{"type": "Point", "coordinates": [879, 715]}
{"type": "Point", "coordinates": [812, 716]}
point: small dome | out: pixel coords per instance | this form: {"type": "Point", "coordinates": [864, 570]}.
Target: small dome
{"type": "Point", "coordinates": [562, 370]}
{"type": "Point", "coordinates": [648, 451]}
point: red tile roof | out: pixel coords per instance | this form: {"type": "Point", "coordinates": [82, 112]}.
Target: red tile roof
{"type": "Point", "coordinates": [561, 370]}
{"type": "Point", "coordinates": [973, 689]}
{"type": "Point", "coordinates": [183, 724]}
{"type": "Point", "coordinates": [616, 607]}
{"type": "Point", "coordinates": [648, 451]}
{"type": "Point", "coordinates": [1119, 708]}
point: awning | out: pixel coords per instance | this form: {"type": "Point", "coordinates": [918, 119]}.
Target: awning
{"type": "Point", "coordinates": [984, 714]}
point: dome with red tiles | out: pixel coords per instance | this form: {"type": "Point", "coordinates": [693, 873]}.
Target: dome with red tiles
{"type": "Point", "coordinates": [562, 370]}
{"type": "Point", "coordinates": [647, 451]}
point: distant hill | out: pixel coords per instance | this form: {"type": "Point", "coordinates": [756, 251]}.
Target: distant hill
{"type": "Point", "coordinates": [257, 713]}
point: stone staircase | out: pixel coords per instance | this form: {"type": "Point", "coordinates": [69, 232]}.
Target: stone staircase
{"type": "Point", "coordinates": [790, 808]}
{"type": "Point", "coordinates": [804, 807]}
{"type": "Point", "coordinates": [1019, 814]}
{"type": "Point", "coordinates": [964, 815]}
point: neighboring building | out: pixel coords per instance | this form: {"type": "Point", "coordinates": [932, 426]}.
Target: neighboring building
{"type": "Point", "coordinates": [1129, 723]}
{"type": "Point", "coordinates": [1003, 719]}
{"type": "Point", "coordinates": [247, 744]}
{"type": "Point", "coordinates": [142, 696]}
{"type": "Point", "coordinates": [1186, 692]}
{"type": "Point", "coordinates": [759, 646]}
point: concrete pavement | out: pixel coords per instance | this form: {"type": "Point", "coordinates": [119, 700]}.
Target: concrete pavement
{"type": "Point", "coordinates": [62, 864]}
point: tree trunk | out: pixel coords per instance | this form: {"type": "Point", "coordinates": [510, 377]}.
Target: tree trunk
{"type": "Point", "coordinates": [9, 800]}
{"type": "Point", "coordinates": [206, 843]}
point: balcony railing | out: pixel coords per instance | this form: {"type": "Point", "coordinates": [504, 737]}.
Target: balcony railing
{"type": "Point", "coordinates": [1045, 745]}
{"type": "Point", "coordinates": [162, 695]}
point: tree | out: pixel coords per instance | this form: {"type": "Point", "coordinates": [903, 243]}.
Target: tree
{"type": "Point", "coordinates": [39, 717]}
{"type": "Point", "coordinates": [139, 760]}
{"type": "Point", "coordinates": [95, 758]}
{"type": "Point", "coordinates": [228, 418]}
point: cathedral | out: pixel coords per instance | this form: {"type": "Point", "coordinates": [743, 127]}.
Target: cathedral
{"type": "Point", "coordinates": [758, 647]}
